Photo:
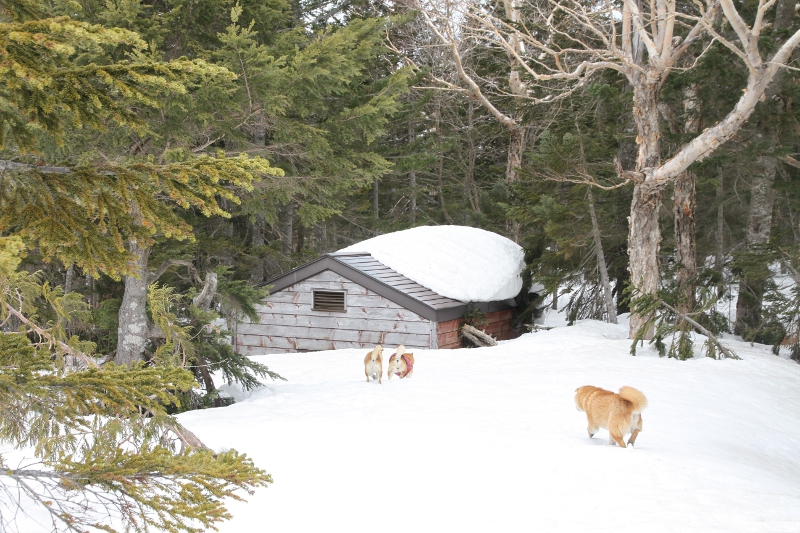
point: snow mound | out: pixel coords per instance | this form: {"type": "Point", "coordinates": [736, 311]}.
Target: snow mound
{"type": "Point", "coordinates": [463, 263]}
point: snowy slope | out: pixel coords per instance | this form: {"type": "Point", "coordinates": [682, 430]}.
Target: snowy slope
{"type": "Point", "coordinates": [467, 264]}
{"type": "Point", "coordinates": [489, 440]}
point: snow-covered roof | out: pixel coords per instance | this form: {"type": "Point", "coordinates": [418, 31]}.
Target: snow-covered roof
{"type": "Point", "coordinates": [463, 263]}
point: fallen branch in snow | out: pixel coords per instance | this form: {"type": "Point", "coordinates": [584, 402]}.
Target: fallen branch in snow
{"type": "Point", "coordinates": [477, 337]}
{"type": "Point", "coordinates": [730, 354]}
{"type": "Point", "coordinates": [537, 327]}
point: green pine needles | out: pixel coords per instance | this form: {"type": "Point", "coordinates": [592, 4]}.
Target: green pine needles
{"type": "Point", "coordinates": [108, 456]}
{"type": "Point", "coordinates": [101, 451]}
{"type": "Point", "coordinates": [673, 330]}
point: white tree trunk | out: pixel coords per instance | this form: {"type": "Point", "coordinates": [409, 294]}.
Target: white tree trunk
{"type": "Point", "coordinates": [134, 331]}
{"type": "Point", "coordinates": [644, 232]}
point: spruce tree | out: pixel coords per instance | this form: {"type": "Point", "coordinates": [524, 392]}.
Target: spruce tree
{"type": "Point", "coordinates": [107, 454]}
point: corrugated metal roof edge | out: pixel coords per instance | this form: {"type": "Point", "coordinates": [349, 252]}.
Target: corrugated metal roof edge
{"type": "Point", "coordinates": [329, 262]}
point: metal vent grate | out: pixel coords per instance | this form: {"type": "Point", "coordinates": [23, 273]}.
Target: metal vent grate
{"type": "Point", "coordinates": [328, 301]}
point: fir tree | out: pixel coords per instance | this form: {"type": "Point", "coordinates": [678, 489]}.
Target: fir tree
{"type": "Point", "coordinates": [107, 454]}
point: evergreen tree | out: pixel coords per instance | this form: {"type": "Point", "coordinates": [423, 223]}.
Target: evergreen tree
{"type": "Point", "coordinates": [98, 431]}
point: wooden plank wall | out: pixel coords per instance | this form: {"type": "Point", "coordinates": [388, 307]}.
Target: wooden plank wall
{"type": "Point", "coordinates": [498, 325]}
{"type": "Point", "coordinates": [287, 323]}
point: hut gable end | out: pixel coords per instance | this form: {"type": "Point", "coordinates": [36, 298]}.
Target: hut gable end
{"type": "Point", "coordinates": [288, 321]}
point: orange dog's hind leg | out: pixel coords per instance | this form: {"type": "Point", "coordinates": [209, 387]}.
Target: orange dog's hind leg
{"type": "Point", "coordinates": [635, 431]}
{"type": "Point", "coordinates": [618, 425]}
{"type": "Point", "coordinates": [616, 437]}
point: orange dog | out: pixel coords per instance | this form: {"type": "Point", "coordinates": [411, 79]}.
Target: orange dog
{"type": "Point", "coordinates": [401, 363]}
{"type": "Point", "coordinates": [619, 413]}
{"type": "Point", "coordinates": [373, 364]}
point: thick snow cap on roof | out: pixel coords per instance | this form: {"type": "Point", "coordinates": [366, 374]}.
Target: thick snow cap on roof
{"type": "Point", "coordinates": [463, 263]}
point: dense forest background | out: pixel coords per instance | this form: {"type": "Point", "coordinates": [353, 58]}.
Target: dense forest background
{"type": "Point", "coordinates": [161, 159]}
{"type": "Point", "coordinates": [362, 109]}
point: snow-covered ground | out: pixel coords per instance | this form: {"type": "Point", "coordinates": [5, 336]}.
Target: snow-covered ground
{"type": "Point", "coordinates": [489, 440]}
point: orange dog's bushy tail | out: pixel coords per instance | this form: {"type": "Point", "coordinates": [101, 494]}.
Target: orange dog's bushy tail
{"type": "Point", "coordinates": [636, 397]}
{"type": "Point", "coordinates": [375, 353]}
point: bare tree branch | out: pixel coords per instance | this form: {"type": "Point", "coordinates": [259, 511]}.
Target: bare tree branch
{"type": "Point", "coordinates": [167, 264]}
{"type": "Point", "coordinates": [64, 347]}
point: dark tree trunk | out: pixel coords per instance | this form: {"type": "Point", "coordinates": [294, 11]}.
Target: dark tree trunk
{"type": "Point", "coordinates": [619, 292]}
{"type": "Point", "coordinates": [470, 187]}
{"type": "Point", "coordinates": [719, 256]}
{"type": "Point", "coordinates": [440, 173]}
{"type": "Point", "coordinates": [375, 205]}
{"type": "Point", "coordinates": [762, 196]}
{"type": "Point", "coordinates": [759, 225]}
{"type": "Point", "coordinates": [259, 231]}
{"type": "Point", "coordinates": [301, 237]}
{"type": "Point", "coordinates": [69, 278]}
{"type": "Point", "coordinates": [412, 178]}
{"type": "Point", "coordinates": [205, 375]}
{"type": "Point", "coordinates": [601, 262]}
{"type": "Point", "coordinates": [684, 201]}
{"type": "Point", "coordinates": [684, 206]}
{"type": "Point", "coordinates": [288, 230]}
{"type": "Point", "coordinates": [516, 151]}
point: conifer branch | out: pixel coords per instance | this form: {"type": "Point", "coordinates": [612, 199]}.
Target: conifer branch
{"type": "Point", "coordinates": [66, 348]}
{"type": "Point", "coordinates": [730, 354]}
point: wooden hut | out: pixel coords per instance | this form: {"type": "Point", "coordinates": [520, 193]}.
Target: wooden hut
{"type": "Point", "coordinates": [350, 300]}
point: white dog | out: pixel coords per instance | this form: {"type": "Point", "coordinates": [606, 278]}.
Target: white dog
{"type": "Point", "coordinates": [373, 364]}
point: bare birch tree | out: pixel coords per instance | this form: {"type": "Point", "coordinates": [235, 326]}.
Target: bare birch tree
{"type": "Point", "coordinates": [558, 45]}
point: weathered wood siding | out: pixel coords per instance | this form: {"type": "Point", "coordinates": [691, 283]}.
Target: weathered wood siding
{"type": "Point", "coordinates": [498, 325]}
{"type": "Point", "coordinates": [287, 323]}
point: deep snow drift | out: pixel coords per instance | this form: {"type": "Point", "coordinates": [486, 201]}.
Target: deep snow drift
{"type": "Point", "coordinates": [489, 440]}
{"type": "Point", "coordinates": [463, 263]}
